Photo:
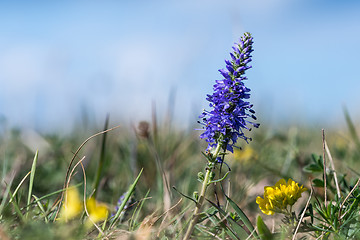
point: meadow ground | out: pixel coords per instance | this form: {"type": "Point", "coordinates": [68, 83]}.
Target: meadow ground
{"type": "Point", "coordinates": [154, 166]}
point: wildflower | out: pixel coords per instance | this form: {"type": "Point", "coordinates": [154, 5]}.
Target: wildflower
{"type": "Point", "coordinates": [97, 211]}
{"type": "Point", "coordinates": [72, 205]}
{"type": "Point", "coordinates": [245, 154]}
{"type": "Point", "coordinates": [230, 111]}
{"type": "Point", "coordinates": [277, 198]}
{"type": "Point", "coordinates": [120, 202]}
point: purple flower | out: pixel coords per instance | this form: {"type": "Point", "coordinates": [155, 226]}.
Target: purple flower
{"type": "Point", "coordinates": [120, 201]}
{"type": "Point", "coordinates": [230, 112]}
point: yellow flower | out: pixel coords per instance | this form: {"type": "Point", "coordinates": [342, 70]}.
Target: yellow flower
{"type": "Point", "coordinates": [72, 205]}
{"type": "Point", "coordinates": [278, 197]}
{"type": "Point", "coordinates": [97, 211]}
{"type": "Point", "coordinates": [245, 154]}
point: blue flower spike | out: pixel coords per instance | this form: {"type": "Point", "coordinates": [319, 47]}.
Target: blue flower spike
{"type": "Point", "coordinates": [231, 111]}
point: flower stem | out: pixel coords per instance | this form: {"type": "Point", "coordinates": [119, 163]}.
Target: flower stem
{"type": "Point", "coordinates": [198, 205]}
{"type": "Point", "coordinates": [201, 198]}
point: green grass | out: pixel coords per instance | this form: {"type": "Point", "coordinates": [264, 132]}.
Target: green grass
{"type": "Point", "coordinates": [32, 187]}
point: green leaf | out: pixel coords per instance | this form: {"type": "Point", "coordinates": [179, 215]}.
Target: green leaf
{"type": "Point", "coordinates": [239, 230]}
{"type": "Point", "coordinates": [311, 212]}
{"type": "Point", "coordinates": [234, 226]}
{"type": "Point", "coordinates": [41, 207]}
{"type": "Point", "coordinates": [316, 165]}
{"type": "Point", "coordinates": [318, 182]}
{"type": "Point", "coordinates": [209, 212]}
{"type": "Point", "coordinates": [242, 216]}
{"type": "Point", "coordinates": [32, 176]}
{"type": "Point", "coordinates": [216, 221]}
{"type": "Point", "coordinates": [264, 232]}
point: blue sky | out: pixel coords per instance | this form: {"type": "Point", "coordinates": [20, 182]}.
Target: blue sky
{"type": "Point", "coordinates": [117, 57]}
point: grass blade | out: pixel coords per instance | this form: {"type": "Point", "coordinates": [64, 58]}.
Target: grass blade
{"type": "Point", "coordinates": [6, 193]}
{"type": "Point", "coordinates": [235, 227]}
{"type": "Point", "coordinates": [137, 211]}
{"type": "Point", "coordinates": [217, 222]}
{"type": "Point", "coordinates": [264, 231]}
{"type": "Point", "coordinates": [102, 158]}
{"type": "Point", "coordinates": [352, 129]}
{"type": "Point", "coordinates": [41, 208]}
{"type": "Point", "coordinates": [18, 187]}
{"type": "Point", "coordinates": [32, 176]}
{"type": "Point", "coordinates": [126, 199]}
{"type": "Point", "coordinates": [242, 216]}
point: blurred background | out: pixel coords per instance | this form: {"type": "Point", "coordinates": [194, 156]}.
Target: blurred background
{"type": "Point", "coordinates": [66, 61]}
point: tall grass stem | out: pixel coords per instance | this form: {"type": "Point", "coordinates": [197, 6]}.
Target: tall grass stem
{"type": "Point", "coordinates": [31, 183]}
{"type": "Point", "coordinates": [72, 161]}
{"type": "Point", "coordinates": [102, 158]}
{"type": "Point", "coordinates": [126, 199]}
{"type": "Point", "coordinates": [324, 162]}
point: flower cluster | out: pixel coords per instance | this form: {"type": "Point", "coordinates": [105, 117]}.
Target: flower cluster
{"type": "Point", "coordinates": [73, 206]}
{"type": "Point", "coordinates": [230, 111]}
{"type": "Point", "coordinates": [277, 198]}
{"type": "Point", "coordinates": [120, 202]}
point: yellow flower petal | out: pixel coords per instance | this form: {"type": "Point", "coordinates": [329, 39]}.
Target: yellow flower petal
{"type": "Point", "coordinates": [72, 206]}
{"type": "Point", "coordinates": [245, 154]}
{"type": "Point", "coordinates": [278, 197]}
{"type": "Point", "coordinates": [97, 211]}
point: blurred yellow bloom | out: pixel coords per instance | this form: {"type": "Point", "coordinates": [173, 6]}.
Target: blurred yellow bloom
{"type": "Point", "coordinates": [341, 143]}
{"type": "Point", "coordinates": [277, 198]}
{"type": "Point", "coordinates": [72, 205]}
{"type": "Point", "coordinates": [97, 211]}
{"type": "Point", "coordinates": [244, 154]}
